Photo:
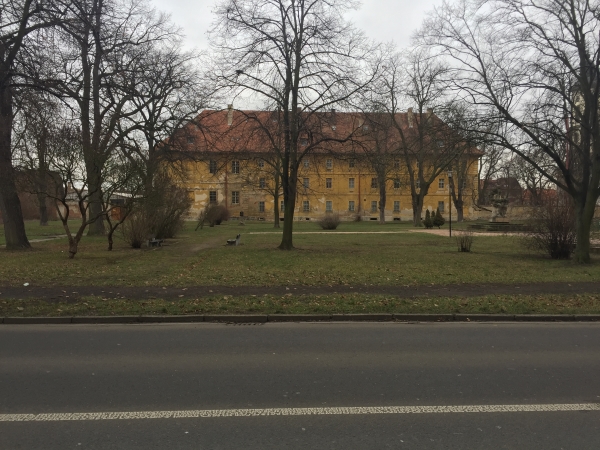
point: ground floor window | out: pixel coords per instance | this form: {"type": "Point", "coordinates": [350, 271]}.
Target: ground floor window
{"type": "Point", "coordinates": [235, 197]}
{"type": "Point", "coordinates": [261, 206]}
{"type": "Point", "coordinates": [351, 205]}
{"type": "Point", "coordinates": [328, 206]}
{"type": "Point", "coordinates": [305, 206]}
{"type": "Point", "coordinates": [441, 206]}
{"type": "Point", "coordinates": [281, 206]}
{"type": "Point", "coordinates": [396, 206]}
{"type": "Point", "coordinates": [373, 206]}
{"type": "Point", "coordinates": [212, 196]}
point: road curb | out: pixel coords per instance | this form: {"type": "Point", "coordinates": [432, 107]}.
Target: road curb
{"type": "Point", "coordinates": [263, 318]}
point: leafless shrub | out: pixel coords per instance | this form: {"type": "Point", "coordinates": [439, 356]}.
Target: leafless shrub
{"type": "Point", "coordinates": [135, 229]}
{"type": "Point", "coordinates": [329, 221]}
{"type": "Point", "coordinates": [215, 214]}
{"type": "Point", "coordinates": [552, 229]}
{"type": "Point", "coordinates": [165, 210]}
{"type": "Point", "coordinates": [464, 240]}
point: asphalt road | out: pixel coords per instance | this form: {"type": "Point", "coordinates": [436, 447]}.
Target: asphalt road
{"type": "Point", "coordinates": [181, 368]}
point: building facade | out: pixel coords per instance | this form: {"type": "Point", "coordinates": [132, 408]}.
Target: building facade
{"type": "Point", "coordinates": [236, 172]}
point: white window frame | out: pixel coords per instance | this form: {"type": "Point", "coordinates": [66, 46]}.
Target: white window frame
{"type": "Point", "coordinates": [329, 164]}
{"type": "Point", "coordinates": [235, 197]}
{"type": "Point", "coordinates": [328, 206]}
{"type": "Point", "coordinates": [305, 206]}
{"type": "Point", "coordinates": [351, 205]}
{"type": "Point", "coordinates": [396, 205]}
{"type": "Point", "coordinates": [235, 167]}
{"type": "Point", "coordinates": [350, 183]}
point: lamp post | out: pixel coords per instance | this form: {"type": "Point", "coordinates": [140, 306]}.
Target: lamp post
{"type": "Point", "coordinates": [450, 202]}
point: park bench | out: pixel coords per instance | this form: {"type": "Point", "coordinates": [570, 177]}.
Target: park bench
{"type": "Point", "coordinates": [153, 242]}
{"type": "Point", "coordinates": [235, 241]}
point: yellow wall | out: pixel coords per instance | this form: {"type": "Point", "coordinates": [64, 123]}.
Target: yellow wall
{"type": "Point", "coordinates": [200, 182]}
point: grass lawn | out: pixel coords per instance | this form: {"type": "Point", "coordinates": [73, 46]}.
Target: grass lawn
{"type": "Point", "coordinates": [316, 304]}
{"type": "Point", "coordinates": [398, 257]}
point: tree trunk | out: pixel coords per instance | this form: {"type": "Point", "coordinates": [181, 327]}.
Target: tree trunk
{"type": "Point", "coordinates": [382, 199]}
{"type": "Point", "coordinates": [276, 211]}
{"type": "Point", "coordinates": [41, 197]}
{"type": "Point", "coordinates": [459, 205]}
{"type": "Point", "coordinates": [584, 216]}
{"type": "Point", "coordinates": [417, 205]}
{"type": "Point", "coordinates": [288, 219]}
{"type": "Point", "coordinates": [97, 227]}
{"type": "Point", "coordinates": [110, 238]}
{"type": "Point", "coordinates": [10, 205]}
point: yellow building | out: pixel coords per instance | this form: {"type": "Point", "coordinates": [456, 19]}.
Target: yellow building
{"type": "Point", "coordinates": [234, 169]}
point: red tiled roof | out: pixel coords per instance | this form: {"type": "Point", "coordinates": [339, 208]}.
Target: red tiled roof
{"type": "Point", "coordinates": [249, 130]}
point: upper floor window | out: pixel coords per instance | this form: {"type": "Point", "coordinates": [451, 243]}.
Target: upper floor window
{"type": "Point", "coordinates": [235, 167]}
{"type": "Point", "coordinates": [306, 163]}
{"type": "Point", "coordinates": [328, 183]}
{"type": "Point", "coordinates": [351, 164]}
{"type": "Point", "coordinates": [306, 183]}
{"type": "Point", "coordinates": [441, 183]}
{"type": "Point", "coordinates": [212, 166]}
{"type": "Point", "coordinates": [190, 139]}
{"type": "Point", "coordinates": [261, 163]}
{"type": "Point", "coordinates": [329, 164]}
{"type": "Point", "coordinates": [396, 164]}
{"type": "Point", "coordinates": [262, 183]}
{"type": "Point", "coordinates": [396, 183]}
{"type": "Point", "coordinates": [373, 183]}
{"type": "Point", "coordinates": [350, 183]}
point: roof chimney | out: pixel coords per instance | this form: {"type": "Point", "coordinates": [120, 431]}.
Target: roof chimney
{"type": "Point", "coordinates": [410, 117]}
{"type": "Point", "coordinates": [229, 114]}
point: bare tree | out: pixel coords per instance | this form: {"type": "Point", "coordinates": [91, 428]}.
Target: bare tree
{"type": "Point", "coordinates": [301, 57]}
{"type": "Point", "coordinates": [18, 19]}
{"type": "Point", "coordinates": [96, 61]}
{"type": "Point", "coordinates": [427, 144]}
{"type": "Point", "coordinates": [533, 66]}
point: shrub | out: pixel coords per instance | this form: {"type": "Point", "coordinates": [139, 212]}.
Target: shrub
{"type": "Point", "coordinates": [135, 229]}
{"type": "Point", "coordinates": [438, 220]}
{"type": "Point", "coordinates": [165, 209]}
{"type": "Point", "coordinates": [215, 214]}
{"type": "Point", "coordinates": [428, 222]}
{"type": "Point", "coordinates": [552, 229]}
{"type": "Point", "coordinates": [329, 221]}
{"type": "Point", "coordinates": [464, 240]}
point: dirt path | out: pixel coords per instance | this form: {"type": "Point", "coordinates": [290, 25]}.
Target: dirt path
{"type": "Point", "coordinates": [173, 293]}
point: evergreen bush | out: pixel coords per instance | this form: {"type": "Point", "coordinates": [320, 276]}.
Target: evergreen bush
{"type": "Point", "coordinates": [428, 222]}
{"type": "Point", "coordinates": [438, 220]}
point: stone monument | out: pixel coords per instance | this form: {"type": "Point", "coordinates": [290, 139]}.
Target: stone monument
{"type": "Point", "coordinates": [499, 207]}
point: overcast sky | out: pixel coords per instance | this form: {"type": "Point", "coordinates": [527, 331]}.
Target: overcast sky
{"type": "Point", "coordinates": [382, 20]}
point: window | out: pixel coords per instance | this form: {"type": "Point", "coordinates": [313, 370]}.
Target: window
{"type": "Point", "coordinates": [262, 183]}
{"type": "Point", "coordinates": [373, 183]}
{"type": "Point", "coordinates": [396, 184]}
{"type": "Point", "coordinates": [261, 206]}
{"type": "Point", "coordinates": [418, 184]}
{"type": "Point", "coordinates": [190, 139]}
{"type": "Point", "coordinates": [303, 142]}
{"type": "Point", "coordinates": [212, 196]}
{"type": "Point", "coordinates": [305, 206]}
{"type": "Point", "coordinates": [350, 183]}
{"type": "Point", "coordinates": [351, 205]}
{"type": "Point", "coordinates": [306, 163]}
{"type": "Point", "coordinates": [235, 197]}
{"type": "Point", "coordinates": [329, 164]}
{"type": "Point", "coordinates": [373, 206]}
{"type": "Point", "coordinates": [440, 143]}
{"type": "Point", "coordinates": [305, 183]}
{"type": "Point", "coordinates": [351, 164]}
{"type": "Point", "coordinates": [328, 206]}
{"type": "Point", "coordinates": [281, 206]}
{"type": "Point", "coordinates": [261, 163]}
{"type": "Point", "coordinates": [328, 183]}
{"type": "Point", "coordinates": [441, 206]}
{"type": "Point", "coordinates": [396, 206]}
{"type": "Point", "coordinates": [396, 164]}
{"type": "Point", "coordinates": [441, 183]}
{"type": "Point", "coordinates": [235, 167]}
{"type": "Point", "coordinates": [212, 166]}
{"type": "Point", "coordinates": [365, 127]}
